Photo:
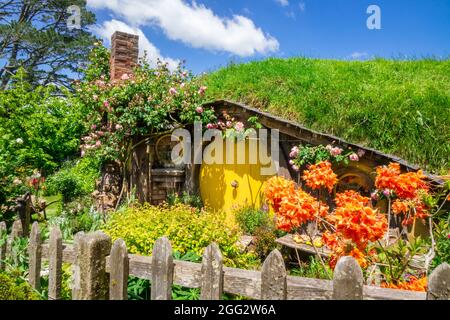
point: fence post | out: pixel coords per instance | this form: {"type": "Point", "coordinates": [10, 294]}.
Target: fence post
{"type": "Point", "coordinates": [273, 277]}
{"type": "Point", "coordinates": [3, 244]}
{"type": "Point", "coordinates": [91, 280]}
{"type": "Point", "coordinates": [212, 273]}
{"type": "Point", "coordinates": [119, 271]}
{"type": "Point", "coordinates": [162, 270]}
{"type": "Point", "coordinates": [439, 283]}
{"type": "Point", "coordinates": [348, 280]}
{"type": "Point", "coordinates": [55, 250]}
{"type": "Point", "coordinates": [35, 254]}
{"type": "Point", "coordinates": [16, 232]}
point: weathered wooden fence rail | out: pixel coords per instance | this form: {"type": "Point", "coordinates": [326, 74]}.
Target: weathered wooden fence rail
{"type": "Point", "coordinates": [101, 270]}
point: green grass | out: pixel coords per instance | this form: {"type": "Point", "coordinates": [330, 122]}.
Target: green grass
{"type": "Point", "coordinates": [54, 208]}
{"type": "Point", "coordinates": [398, 107]}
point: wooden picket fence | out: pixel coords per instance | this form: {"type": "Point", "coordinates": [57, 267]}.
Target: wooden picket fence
{"type": "Point", "coordinates": [101, 270]}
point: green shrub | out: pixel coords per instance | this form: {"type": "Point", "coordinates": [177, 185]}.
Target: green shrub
{"type": "Point", "coordinates": [14, 288]}
{"type": "Point", "coordinates": [192, 200]}
{"type": "Point", "coordinates": [312, 269]}
{"type": "Point", "coordinates": [264, 241]}
{"type": "Point", "coordinates": [441, 234]}
{"type": "Point", "coordinates": [249, 219]}
{"type": "Point", "coordinates": [187, 228]}
{"type": "Point", "coordinates": [74, 179]}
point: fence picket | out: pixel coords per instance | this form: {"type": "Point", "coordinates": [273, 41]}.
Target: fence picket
{"type": "Point", "coordinates": [55, 258]}
{"type": "Point", "coordinates": [273, 277]}
{"type": "Point", "coordinates": [212, 273]}
{"type": "Point", "coordinates": [34, 254]}
{"type": "Point", "coordinates": [162, 270]}
{"type": "Point", "coordinates": [439, 283]}
{"type": "Point", "coordinates": [119, 270]}
{"type": "Point", "coordinates": [348, 280]}
{"type": "Point", "coordinates": [3, 244]}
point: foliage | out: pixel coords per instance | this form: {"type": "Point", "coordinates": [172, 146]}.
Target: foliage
{"type": "Point", "coordinates": [398, 107]}
{"type": "Point", "coordinates": [311, 269]}
{"type": "Point", "coordinates": [192, 200]}
{"type": "Point", "coordinates": [74, 179]}
{"type": "Point", "coordinates": [138, 289]}
{"type": "Point", "coordinates": [394, 260]}
{"type": "Point", "coordinates": [38, 130]}
{"type": "Point", "coordinates": [442, 238]}
{"type": "Point", "coordinates": [187, 229]}
{"type": "Point", "coordinates": [264, 241]}
{"type": "Point", "coordinates": [13, 288]}
{"type": "Point", "coordinates": [17, 262]}
{"type": "Point", "coordinates": [66, 282]}
{"type": "Point", "coordinates": [34, 35]}
{"type": "Point", "coordinates": [249, 219]}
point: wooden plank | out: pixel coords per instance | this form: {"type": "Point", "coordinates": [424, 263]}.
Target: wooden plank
{"type": "Point", "coordinates": [439, 283]}
{"type": "Point", "coordinates": [273, 277]}
{"type": "Point", "coordinates": [289, 242]}
{"type": "Point", "coordinates": [348, 280]}
{"type": "Point", "coordinates": [55, 259]}
{"type": "Point", "coordinates": [242, 282]}
{"type": "Point", "coordinates": [119, 271]}
{"type": "Point", "coordinates": [300, 288]}
{"type": "Point", "coordinates": [212, 273]}
{"type": "Point", "coordinates": [162, 270]}
{"type": "Point", "coordinates": [34, 254]}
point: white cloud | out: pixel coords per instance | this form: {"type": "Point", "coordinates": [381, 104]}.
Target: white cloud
{"type": "Point", "coordinates": [108, 27]}
{"type": "Point", "coordinates": [283, 3]}
{"type": "Point", "coordinates": [302, 6]}
{"type": "Point", "coordinates": [193, 24]}
{"type": "Point", "coordinates": [358, 55]}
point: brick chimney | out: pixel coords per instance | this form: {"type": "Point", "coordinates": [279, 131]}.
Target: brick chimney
{"type": "Point", "coordinates": [124, 54]}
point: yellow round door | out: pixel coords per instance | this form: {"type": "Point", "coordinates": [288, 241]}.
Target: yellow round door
{"type": "Point", "coordinates": [231, 185]}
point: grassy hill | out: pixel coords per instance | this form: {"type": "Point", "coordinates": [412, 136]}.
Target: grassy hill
{"type": "Point", "coordinates": [399, 107]}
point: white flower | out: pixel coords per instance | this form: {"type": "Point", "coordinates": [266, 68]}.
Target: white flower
{"type": "Point", "coordinates": [19, 140]}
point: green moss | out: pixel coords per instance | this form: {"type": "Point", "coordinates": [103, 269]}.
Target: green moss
{"type": "Point", "coordinates": [398, 107]}
{"type": "Point", "coordinates": [15, 289]}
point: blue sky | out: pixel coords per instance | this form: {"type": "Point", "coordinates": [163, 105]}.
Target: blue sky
{"type": "Point", "coordinates": [211, 33]}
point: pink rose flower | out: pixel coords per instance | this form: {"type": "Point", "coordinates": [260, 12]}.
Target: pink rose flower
{"type": "Point", "coordinates": [106, 104]}
{"type": "Point", "coordinates": [94, 126]}
{"type": "Point", "coordinates": [100, 133]}
{"type": "Point", "coordinates": [374, 196]}
{"type": "Point", "coordinates": [329, 147]}
{"type": "Point", "coordinates": [291, 162]}
{"type": "Point", "coordinates": [229, 124]}
{"type": "Point", "coordinates": [296, 168]}
{"type": "Point", "coordinates": [387, 192]}
{"type": "Point", "coordinates": [361, 153]}
{"type": "Point", "coordinates": [294, 152]}
{"type": "Point", "coordinates": [118, 127]}
{"type": "Point", "coordinates": [202, 90]}
{"type": "Point", "coordinates": [209, 126]}
{"type": "Point", "coordinates": [173, 91]}
{"type": "Point", "coordinates": [239, 126]}
{"type": "Point", "coordinates": [98, 143]}
{"type": "Point", "coordinates": [125, 76]}
{"type": "Point", "coordinates": [336, 151]}
{"type": "Point", "coordinates": [353, 157]}
{"type": "Point", "coordinates": [199, 109]}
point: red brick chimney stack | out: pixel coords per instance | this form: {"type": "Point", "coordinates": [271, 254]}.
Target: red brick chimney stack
{"type": "Point", "coordinates": [124, 54]}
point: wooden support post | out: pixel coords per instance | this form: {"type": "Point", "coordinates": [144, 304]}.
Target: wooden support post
{"type": "Point", "coordinates": [162, 270]}
{"type": "Point", "coordinates": [55, 257]}
{"type": "Point", "coordinates": [439, 283]}
{"type": "Point", "coordinates": [91, 282]}
{"type": "Point", "coordinates": [16, 232]}
{"type": "Point", "coordinates": [119, 271]}
{"type": "Point", "coordinates": [212, 273]}
{"type": "Point", "coordinates": [3, 244]}
{"type": "Point", "coordinates": [274, 277]}
{"type": "Point", "coordinates": [348, 280]}
{"type": "Point", "coordinates": [35, 254]}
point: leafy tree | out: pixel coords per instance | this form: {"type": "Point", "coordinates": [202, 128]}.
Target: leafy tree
{"type": "Point", "coordinates": [35, 35]}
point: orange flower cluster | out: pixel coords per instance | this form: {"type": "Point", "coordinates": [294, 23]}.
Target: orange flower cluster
{"type": "Point", "coordinates": [350, 197]}
{"type": "Point", "coordinates": [320, 175]}
{"type": "Point", "coordinates": [297, 208]}
{"type": "Point", "coordinates": [414, 283]}
{"type": "Point", "coordinates": [356, 225]}
{"type": "Point", "coordinates": [408, 187]}
{"type": "Point", "coordinates": [276, 189]}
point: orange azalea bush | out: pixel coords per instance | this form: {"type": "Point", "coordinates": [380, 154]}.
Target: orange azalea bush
{"type": "Point", "coordinates": [276, 189]}
{"type": "Point", "coordinates": [414, 283]}
{"type": "Point", "coordinates": [409, 188]}
{"type": "Point", "coordinates": [320, 175]}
